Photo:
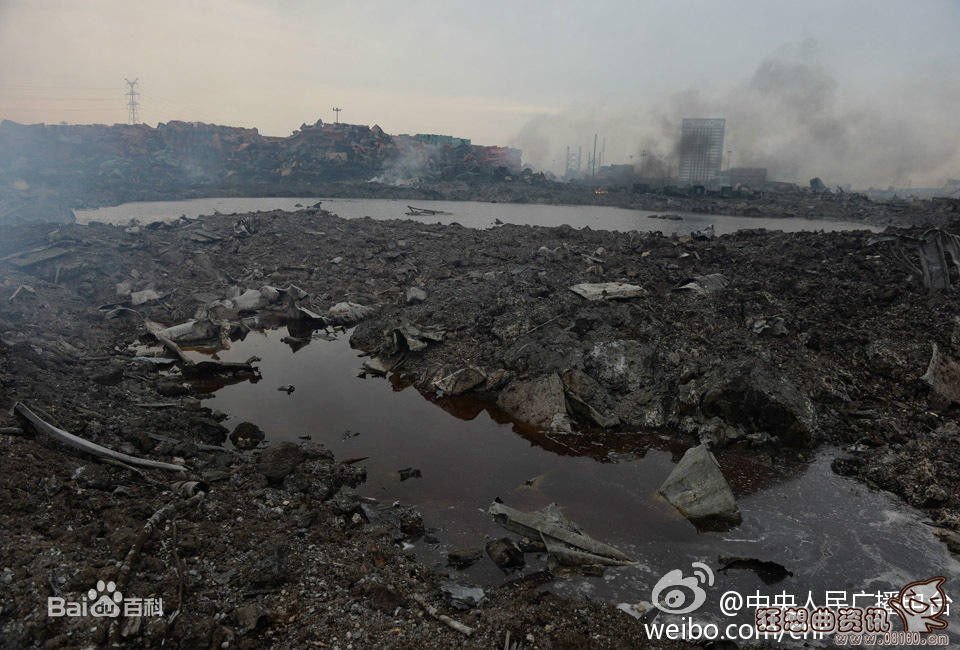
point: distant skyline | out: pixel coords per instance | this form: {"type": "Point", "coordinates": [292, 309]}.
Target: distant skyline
{"type": "Point", "coordinates": [865, 91]}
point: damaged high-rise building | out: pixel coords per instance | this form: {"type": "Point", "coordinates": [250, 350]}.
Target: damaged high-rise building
{"type": "Point", "coordinates": [701, 150]}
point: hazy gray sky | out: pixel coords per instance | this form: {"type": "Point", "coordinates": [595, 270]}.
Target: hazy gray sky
{"type": "Point", "coordinates": [537, 74]}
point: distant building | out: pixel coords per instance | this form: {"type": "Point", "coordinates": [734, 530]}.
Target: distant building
{"type": "Point", "coordinates": [498, 157]}
{"type": "Point", "coordinates": [701, 150]}
{"type": "Point", "coordinates": [442, 140]}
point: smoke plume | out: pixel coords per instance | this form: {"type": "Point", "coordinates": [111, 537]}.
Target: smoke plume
{"type": "Point", "coordinates": [792, 115]}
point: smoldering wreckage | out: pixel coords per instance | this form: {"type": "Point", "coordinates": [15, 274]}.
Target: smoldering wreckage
{"type": "Point", "coordinates": [114, 468]}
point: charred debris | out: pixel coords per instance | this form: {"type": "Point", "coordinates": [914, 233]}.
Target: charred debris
{"type": "Point", "coordinates": [115, 469]}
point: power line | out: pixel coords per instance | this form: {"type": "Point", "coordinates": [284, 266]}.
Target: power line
{"type": "Point", "coordinates": [132, 102]}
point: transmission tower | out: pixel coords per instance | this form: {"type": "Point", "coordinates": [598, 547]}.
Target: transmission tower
{"type": "Point", "coordinates": [132, 103]}
{"type": "Point", "coordinates": [337, 109]}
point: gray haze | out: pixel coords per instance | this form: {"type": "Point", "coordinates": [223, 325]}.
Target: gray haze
{"type": "Point", "coordinates": [791, 114]}
{"type": "Point", "coordinates": [860, 92]}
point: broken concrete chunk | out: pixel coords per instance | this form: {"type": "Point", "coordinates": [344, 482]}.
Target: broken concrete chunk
{"type": "Point", "coordinates": [298, 312]}
{"type": "Point", "coordinates": [943, 375]}
{"type": "Point", "coordinates": [192, 331]}
{"type": "Point", "coordinates": [460, 381]}
{"type": "Point", "coordinates": [705, 284]}
{"type": "Point", "coordinates": [270, 294]}
{"type": "Point", "coordinates": [768, 325]}
{"type": "Point", "coordinates": [410, 338]}
{"type": "Point", "coordinates": [505, 554]}
{"type": "Point", "coordinates": [462, 596]}
{"type": "Point", "coordinates": [348, 313]}
{"type": "Point", "coordinates": [376, 366]}
{"type": "Point", "coordinates": [760, 400]}
{"type": "Point", "coordinates": [143, 297]}
{"type": "Point", "coordinates": [588, 399]}
{"type": "Point", "coordinates": [246, 435]}
{"type": "Point", "coordinates": [622, 364]}
{"type": "Point", "coordinates": [294, 292]}
{"type": "Point", "coordinates": [607, 291]}
{"type": "Point", "coordinates": [538, 402]}
{"type": "Point", "coordinates": [461, 558]}
{"type": "Point", "coordinates": [249, 300]}
{"type": "Point", "coordinates": [219, 310]}
{"type": "Point", "coordinates": [279, 460]}
{"type": "Point", "coordinates": [696, 487]}
{"type": "Point", "coordinates": [415, 295]}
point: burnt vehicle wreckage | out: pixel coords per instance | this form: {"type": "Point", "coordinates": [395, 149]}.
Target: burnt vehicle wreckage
{"type": "Point", "coordinates": [115, 469]}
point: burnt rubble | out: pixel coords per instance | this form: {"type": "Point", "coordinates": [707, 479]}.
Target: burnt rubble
{"type": "Point", "coordinates": [49, 170]}
{"type": "Point", "coordinates": [265, 542]}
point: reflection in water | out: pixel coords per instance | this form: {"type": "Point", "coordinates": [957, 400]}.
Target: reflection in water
{"type": "Point", "coordinates": [828, 531]}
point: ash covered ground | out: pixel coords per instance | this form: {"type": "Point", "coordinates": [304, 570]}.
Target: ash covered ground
{"type": "Point", "coordinates": [769, 342]}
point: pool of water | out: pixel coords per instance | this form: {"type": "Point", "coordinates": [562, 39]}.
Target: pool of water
{"type": "Point", "coordinates": [472, 214]}
{"type": "Point", "coordinates": [831, 532]}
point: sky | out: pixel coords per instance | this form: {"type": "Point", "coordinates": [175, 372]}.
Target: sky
{"type": "Point", "coordinates": [864, 91]}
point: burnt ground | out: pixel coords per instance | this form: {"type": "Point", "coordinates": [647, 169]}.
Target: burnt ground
{"type": "Point", "coordinates": [807, 339]}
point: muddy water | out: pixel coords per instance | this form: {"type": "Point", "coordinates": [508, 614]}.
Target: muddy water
{"type": "Point", "coordinates": [472, 214]}
{"type": "Point", "coordinates": [831, 532]}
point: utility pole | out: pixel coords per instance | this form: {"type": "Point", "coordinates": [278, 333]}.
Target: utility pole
{"type": "Point", "coordinates": [603, 151]}
{"type": "Point", "coordinates": [132, 102]}
{"type": "Point", "coordinates": [593, 161]}
{"type": "Point", "coordinates": [337, 109]}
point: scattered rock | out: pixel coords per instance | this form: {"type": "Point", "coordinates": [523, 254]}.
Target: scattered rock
{"type": "Point", "coordinates": [250, 617]}
{"type": "Point", "coordinates": [698, 489]}
{"type": "Point", "coordinates": [112, 376]}
{"type": "Point", "coordinates": [539, 402]}
{"type": "Point", "coordinates": [348, 313]}
{"type": "Point", "coordinates": [705, 284]}
{"type": "Point", "coordinates": [170, 388]}
{"type": "Point", "coordinates": [460, 381]}
{"type": "Point", "coordinates": [279, 460]}
{"type": "Point", "coordinates": [415, 295]}
{"type": "Point", "coordinates": [138, 298]}
{"type": "Point", "coordinates": [943, 375]}
{"type": "Point", "coordinates": [760, 401]}
{"type": "Point", "coordinates": [461, 558]}
{"type": "Point", "coordinates": [505, 554]}
{"type": "Point", "coordinates": [621, 364]}
{"type": "Point", "coordinates": [607, 291]}
{"type": "Point", "coordinates": [461, 596]}
{"type": "Point", "coordinates": [246, 436]}
{"type": "Point", "coordinates": [587, 399]}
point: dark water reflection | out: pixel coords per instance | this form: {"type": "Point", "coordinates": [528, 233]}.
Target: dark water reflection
{"type": "Point", "coordinates": [831, 532]}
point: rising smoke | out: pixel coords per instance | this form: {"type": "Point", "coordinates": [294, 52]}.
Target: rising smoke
{"type": "Point", "coordinates": [791, 115]}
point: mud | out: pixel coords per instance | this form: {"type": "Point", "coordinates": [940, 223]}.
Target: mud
{"type": "Point", "coordinates": [812, 338]}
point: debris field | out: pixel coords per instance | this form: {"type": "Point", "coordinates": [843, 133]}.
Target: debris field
{"type": "Point", "coordinates": [762, 341]}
